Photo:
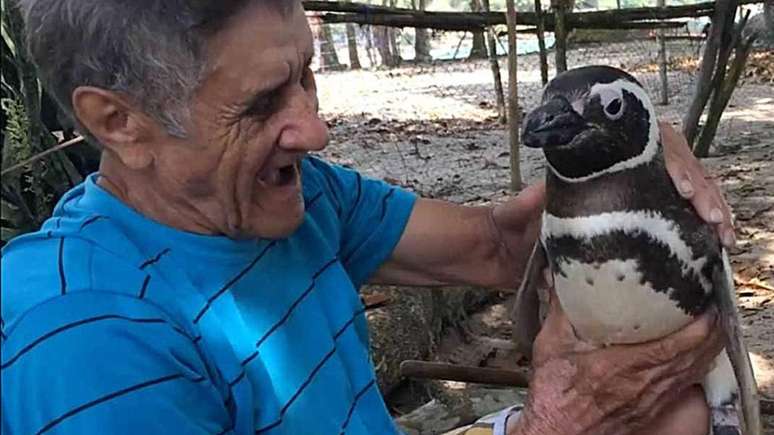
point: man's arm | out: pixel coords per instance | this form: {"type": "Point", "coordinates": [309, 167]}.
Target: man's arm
{"type": "Point", "coordinates": [444, 243]}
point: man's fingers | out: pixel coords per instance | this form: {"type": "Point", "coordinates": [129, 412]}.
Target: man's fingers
{"type": "Point", "coordinates": [691, 181]}
{"type": "Point", "coordinates": [684, 184]}
{"type": "Point", "coordinates": [685, 340]}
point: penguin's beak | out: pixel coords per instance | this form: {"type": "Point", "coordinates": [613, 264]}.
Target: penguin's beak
{"type": "Point", "coordinates": [553, 124]}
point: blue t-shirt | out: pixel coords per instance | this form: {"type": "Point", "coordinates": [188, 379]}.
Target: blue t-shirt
{"type": "Point", "coordinates": [114, 323]}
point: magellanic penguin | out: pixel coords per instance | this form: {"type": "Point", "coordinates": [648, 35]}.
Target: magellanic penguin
{"type": "Point", "coordinates": [631, 260]}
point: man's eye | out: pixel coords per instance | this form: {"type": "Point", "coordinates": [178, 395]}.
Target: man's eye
{"type": "Point", "coordinates": [262, 108]}
{"type": "Point", "coordinates": [307, 81]}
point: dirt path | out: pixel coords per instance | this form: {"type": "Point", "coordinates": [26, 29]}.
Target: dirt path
{"type": "Point", "coordinates": [433, 130]}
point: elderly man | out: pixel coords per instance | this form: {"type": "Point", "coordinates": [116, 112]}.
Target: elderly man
{"type": "Point", "coordinates": [204, 281]}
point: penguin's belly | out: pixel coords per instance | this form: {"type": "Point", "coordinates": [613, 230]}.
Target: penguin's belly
{"type": "Point", "coordinates": [625, 277]}
{"type": "Point", "coordinates": [609, 302]}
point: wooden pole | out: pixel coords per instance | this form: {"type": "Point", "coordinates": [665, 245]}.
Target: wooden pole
{"type": "Point", "coordinates": [466, 21]}
{"type": "Point", "coordinates": [560, 34]}
{"type": "Point", "coordinates": [459, 44]}
{"type": "Point", "coordinates": [450, 372]}
{"type": "Point", "coordinates": [514, 118]}
{"type": "Point", "coordinates": [707, 67]}
{"type": "Point", "coordinates": [594, 19]}
{"type": "Point", "coordinates": [662, 62]}
{"type": "Point", "coordinates": [498, 83]}
{"type": "Point", "coordinates": [541, 42]}
{"type": "Point", "coordinates": [723, 85]}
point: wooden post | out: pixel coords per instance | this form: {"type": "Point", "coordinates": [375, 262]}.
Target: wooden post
{"type": "Point", "coordinates": [498, 83]}
{"type": "Point", "coordinates": [662, 62]}
{"type": "Point", "coordinates": [541, 42]}
{"type": "Point", "coordinates": [451, 372]}
{"type": "Point", "coordinates": [513, 97]}
{"type": "Point", "coordinates": [721, 97]}
{"type": "Point", "coordinates": [560, 34]}
{"type": "Point", "coordinates": [705, 76]}
{"type": "Point", "coordinates": [459, 44]}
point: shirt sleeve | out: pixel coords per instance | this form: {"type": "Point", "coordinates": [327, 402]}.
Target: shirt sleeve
{"type": "Point", "coordinates": [94, 363]}
{"type": "Point", "coordinates": [372, 213]}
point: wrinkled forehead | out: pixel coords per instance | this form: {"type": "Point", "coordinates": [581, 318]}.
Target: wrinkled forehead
{"type": "Point", "coordinates": [577, 83]}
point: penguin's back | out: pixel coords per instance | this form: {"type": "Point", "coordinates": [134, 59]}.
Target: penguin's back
{"type": "Point", "coordinates": [631, 259]}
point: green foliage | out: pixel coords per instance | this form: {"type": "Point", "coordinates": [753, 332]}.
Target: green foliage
{"type": "Point", "coordinates": [28, 195]}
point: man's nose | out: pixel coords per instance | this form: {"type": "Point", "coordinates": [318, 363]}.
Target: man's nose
{"type": "Point", "coordinates": [303, 130]}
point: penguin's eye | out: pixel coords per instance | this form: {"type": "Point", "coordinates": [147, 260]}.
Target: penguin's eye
{"type": "Point", "coordinates": [614, 109]}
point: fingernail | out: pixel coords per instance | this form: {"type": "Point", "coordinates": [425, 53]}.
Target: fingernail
{"type": "Point", "coordinates": [686, 188]}
{"type": "Point", "coordinates": [716, 216]}
{"type": "Point", "coordinates": [549, 277]}
{"type": "Point", "coordinates": [729, 239]}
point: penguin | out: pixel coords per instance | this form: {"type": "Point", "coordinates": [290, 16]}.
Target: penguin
{"type": "Point", "coordinates": [631, 260]}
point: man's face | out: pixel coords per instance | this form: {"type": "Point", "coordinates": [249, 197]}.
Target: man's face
{"type": "Point", "coordinates": [252, 120]}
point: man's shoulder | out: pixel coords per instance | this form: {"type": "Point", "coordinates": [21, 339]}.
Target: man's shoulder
{"type": "Point", "coordinates": [55, 261]}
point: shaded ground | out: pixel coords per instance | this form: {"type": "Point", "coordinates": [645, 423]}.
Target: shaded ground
{"type": "Point", "coordinates": [433, 129]}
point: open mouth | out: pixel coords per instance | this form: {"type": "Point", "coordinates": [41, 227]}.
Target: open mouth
{"type": "Point", "coordinates": [281, 176]}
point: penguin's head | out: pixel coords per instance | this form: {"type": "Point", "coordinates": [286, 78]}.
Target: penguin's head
{"type": "Point", "coordinates": [593, 121]}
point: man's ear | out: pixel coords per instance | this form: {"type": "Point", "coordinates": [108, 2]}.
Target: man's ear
{"type": "Point", "coordinates": [116, 124]}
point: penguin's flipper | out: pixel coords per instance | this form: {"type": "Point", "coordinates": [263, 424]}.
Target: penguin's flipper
{"type": "Point", "coordinates": [723, 284]}
{"type": "Point", "coordinates": [527, 314]}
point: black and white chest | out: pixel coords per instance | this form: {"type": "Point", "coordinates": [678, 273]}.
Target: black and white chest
{"type": "Point", "coordinates": [628, 267]}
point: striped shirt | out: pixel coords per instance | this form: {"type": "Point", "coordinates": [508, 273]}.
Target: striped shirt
{"type": "Point", "coordinates": [116, 324]}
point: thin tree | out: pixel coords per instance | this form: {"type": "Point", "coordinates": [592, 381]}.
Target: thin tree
{"type": "Point", "coordinates": [421, 37]}
{"type": "Point", "coordinates": [329, 60]}
{"type": "Point", "coordinates": [354, 59]}
{"type": "Point", "coordinates": [498, 84]}
{"type": "Point", "coordinates": [478, 50]}
{"type": "Point", "coordinates": [513, 97]}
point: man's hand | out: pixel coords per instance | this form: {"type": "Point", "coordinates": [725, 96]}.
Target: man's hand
{"type": "Point", "coordinates": [695, 184]}
{"type": "Point", "coordinates": [616, 390]}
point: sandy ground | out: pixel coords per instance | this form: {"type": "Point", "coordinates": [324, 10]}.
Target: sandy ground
{"type": "Point", "coordinates": [433, 129]}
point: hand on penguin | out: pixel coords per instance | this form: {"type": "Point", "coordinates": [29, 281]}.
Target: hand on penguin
{"type": "Point", "coordinates": [695, 184]}
{"type": "Point", "coordinates": [620, 389]}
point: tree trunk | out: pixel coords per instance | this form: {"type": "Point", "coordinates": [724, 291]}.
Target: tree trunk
{"type": "Point", "coordinates": [329, 60]}
{"type": "Point", "coordinates": [768, 18]}
{"type": "Point", "coordinates": [478, 51]}
{"type": "Point", "coordinates": [662, 63]}
{"type": "Point", "coordinates": [393, 37]}
{"type": "Point", "coordinates": [498, 84]}
{"type": "Point", "coordinates": [369, 36]}
{"type": "Point", "coordinates": [392, 33]}
{"type": "Point", "coordinates": [514, 120]}
{"type": "Point", "coordinates": [561, 31]}
{"type": "Point", "coordinates": [382, 40]}
{"type": "Point", "coordinates": [724, 10]}
{"type": "Point", "coordinates": [422, 40]}
{"type": "Point", "coordinates": [354, 59]}
{"type": "Point", "coordinates": [543, 53]}
{"type": "Point", "coordinates": [383, 46]}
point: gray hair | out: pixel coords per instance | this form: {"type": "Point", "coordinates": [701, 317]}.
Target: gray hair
{"type": "Point", "coordinates": [150, 50]}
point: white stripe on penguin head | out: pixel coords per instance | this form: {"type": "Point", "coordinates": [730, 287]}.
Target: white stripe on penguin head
{"type": "Point", "coordinates": [651, 148]}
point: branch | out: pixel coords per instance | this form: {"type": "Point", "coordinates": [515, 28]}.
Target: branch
{"type": "Point", "coordinates": [367, 14]}
{"type": "Point", "coordinates": [466, 21]}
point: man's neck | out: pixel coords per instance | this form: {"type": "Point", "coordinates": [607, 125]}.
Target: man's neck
{"type": "Point", "coordinates": [139, 190]}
